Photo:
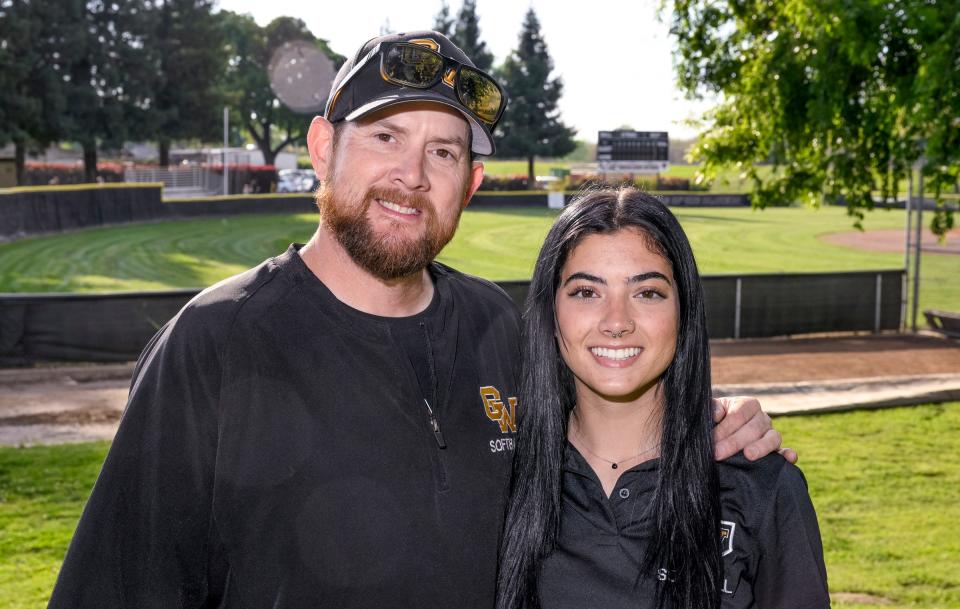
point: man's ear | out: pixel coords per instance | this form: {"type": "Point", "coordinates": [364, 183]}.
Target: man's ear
{"type": "Point", "coordinates": [320, 145]}
{"type": "Point", "coordinates": [476, 177]}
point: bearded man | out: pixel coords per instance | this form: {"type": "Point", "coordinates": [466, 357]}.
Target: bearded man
{"type": "Point", "coordinates": [333, 427]}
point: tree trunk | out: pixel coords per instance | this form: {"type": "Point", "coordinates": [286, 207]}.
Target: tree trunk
{"type": "Point", "coordinates": [269, 155]}
{"type": "Point", "coordinates": [20, 158]}
{"type": "Point", "coordinates": [531, 178]}
{"type": "Point", "coordinates": [163, 149]}
{"type": "Point", "coordinates": [90, 161]}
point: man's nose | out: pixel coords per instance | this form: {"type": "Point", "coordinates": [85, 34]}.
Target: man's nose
{"type": "Point", "coordinates": [410, 171]}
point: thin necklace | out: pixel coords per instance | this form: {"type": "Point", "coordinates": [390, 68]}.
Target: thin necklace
{"type": "Point", "coordinates": [613, 464]}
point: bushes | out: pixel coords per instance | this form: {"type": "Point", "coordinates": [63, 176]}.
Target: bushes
{"type": "Point", "coordinates": [261, 178]}
{"type": "Point", "coordinates": [499, 183]}
{"type": "Point", "coordinates": [647, 183]}
{"type": "Point", "coordinates": [42, 174]}
{"type": "Point", "coordinates": [578, 181]}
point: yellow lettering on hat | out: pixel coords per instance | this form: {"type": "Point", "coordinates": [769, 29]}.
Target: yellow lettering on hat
{"type": "Point", "coordinates": [430, 43]}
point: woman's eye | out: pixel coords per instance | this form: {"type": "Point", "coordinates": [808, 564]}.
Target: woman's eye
{"type": "Point", "coordinates": [650, 294]}
{"type": "Point", "coordinates": [583, 292]}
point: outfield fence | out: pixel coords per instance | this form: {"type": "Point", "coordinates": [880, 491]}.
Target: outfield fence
{"type": "Point", "coordinates": [114, 327]}
{"type": "Point", "coordinates": [41, 210]}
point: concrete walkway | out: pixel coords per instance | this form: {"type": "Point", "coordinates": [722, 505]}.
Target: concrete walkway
{"type": "Point", "coordinates": [805, 397]}
{"type": "Point", "coordinates": [51, 405]}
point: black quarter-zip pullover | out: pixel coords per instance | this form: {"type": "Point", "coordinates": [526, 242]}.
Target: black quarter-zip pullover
{"type": "Point", "coordinates": [276, 452]}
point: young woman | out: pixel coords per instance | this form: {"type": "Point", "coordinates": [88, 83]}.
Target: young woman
{"type": "Point", "coordinates": [616, 499]}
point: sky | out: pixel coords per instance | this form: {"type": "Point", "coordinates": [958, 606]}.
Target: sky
{"type": "Point", "coordinates": [614, 56]}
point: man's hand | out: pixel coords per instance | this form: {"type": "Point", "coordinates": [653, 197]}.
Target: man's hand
{"type": "Point", "coordinates": [742, 425]}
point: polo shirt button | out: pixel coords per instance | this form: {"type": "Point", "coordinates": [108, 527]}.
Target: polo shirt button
{"type": "Point", "coordinates": [624, 493]}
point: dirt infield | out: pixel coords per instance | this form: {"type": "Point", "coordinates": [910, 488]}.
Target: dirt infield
{"type": "Point", "coordinates": [893, 240]}
{"type": "Point", "coordinates": [72, 404]}
{"type": "Point", "coordinates": [815, 359]}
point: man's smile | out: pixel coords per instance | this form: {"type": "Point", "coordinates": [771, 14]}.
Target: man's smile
{"type": "Point", "coordinates": [397, 208]}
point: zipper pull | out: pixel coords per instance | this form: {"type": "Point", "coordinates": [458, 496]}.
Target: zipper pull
{"type": "Point", "coordinates": [435, 426]}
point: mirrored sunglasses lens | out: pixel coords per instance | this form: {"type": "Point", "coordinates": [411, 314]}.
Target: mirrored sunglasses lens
{"type": "Point", "coordinates": [480, 94]}
{"type": "Point", "coordinates": [411, 65]}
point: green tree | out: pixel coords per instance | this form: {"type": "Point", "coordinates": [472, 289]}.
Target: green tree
{"type": "Point", "coordinates": [442, 21]}
{"type": "Point", "coordinates": [108, 78]}
{"type": "Point", "coordinates": [246, 83]}
{"type": "Point", "coordinates": [31, 96]}
{"type": "Point", "coordinates": [189, 55]}
{"type": "Point", "coordinates": [842, 97]}
{"type": "Point", "coordinates": [466, 35]}
{"type": "Point", "coordinates": [531, 125]}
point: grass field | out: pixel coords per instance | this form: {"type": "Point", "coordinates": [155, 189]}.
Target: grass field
{"type": "Point", "coordinates": [883, 482]}
{"type": "Point", "coordinates": [497, 244]}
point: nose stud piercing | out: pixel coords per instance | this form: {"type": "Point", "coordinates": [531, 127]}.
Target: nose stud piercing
{"type": "Point", "coordinates": [633, 326]}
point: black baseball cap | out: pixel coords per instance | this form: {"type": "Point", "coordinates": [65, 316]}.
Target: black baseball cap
{"type": "Point", "coordinates": [359, 87]}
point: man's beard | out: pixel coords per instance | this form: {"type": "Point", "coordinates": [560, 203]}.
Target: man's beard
{"type": "Point", "coordinates": [387, 256]}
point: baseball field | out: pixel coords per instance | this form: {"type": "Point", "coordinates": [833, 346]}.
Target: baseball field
{"type": "Point", "coordinates": [883, 482]}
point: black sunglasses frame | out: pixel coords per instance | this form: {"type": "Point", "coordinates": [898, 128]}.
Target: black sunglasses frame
{"type": "Point", "coordinates": [446, 63]}
{"type": "Point", "coordinates": [382, 50]}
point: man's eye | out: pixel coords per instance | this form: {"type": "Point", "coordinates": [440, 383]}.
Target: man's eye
{"type": "Point", "coordinates": [445, 154]}
{"type": "Point", "coordinates": [384, 137]}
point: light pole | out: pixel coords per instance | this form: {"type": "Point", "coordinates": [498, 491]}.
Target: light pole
{"type": "Point", "coordinates": [918, 235]}
{"type": "Point", "coordinates": [223, 153]}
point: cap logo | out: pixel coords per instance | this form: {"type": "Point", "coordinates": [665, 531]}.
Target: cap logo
{"type": "Point", "coordinates": [430, 43]}
{"type": "Point", "coordinates": [449, 77]}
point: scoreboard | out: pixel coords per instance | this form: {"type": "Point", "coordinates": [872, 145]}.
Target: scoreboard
{"type": "Point", "coordinates": [627, 151]}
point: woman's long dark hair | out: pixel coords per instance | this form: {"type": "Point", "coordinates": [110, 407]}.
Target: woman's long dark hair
{"type": "Point", "coordinates": [686, 503]}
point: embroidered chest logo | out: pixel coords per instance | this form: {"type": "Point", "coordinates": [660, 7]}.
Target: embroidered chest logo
{"type": "Point", "coordinates": [504, 415]}
{"type": "Point", "coordinates": [727, 529]}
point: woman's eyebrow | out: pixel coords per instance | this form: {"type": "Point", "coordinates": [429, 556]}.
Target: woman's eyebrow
{"type": "Point", "coordinates": [648, 275]}
{"type": "Point", "coordinates": [585, 277]}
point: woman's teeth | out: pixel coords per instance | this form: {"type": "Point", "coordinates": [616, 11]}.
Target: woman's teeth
{"type": "Point", "coordinates": [615, 353]}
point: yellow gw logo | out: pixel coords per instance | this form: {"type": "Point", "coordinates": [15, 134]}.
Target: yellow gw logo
{"type": "Point", "coordinates": [497, 412]}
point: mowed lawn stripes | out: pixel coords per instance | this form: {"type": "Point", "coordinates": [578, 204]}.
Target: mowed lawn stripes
{"type": "Point", "coordinates": [496, 244]}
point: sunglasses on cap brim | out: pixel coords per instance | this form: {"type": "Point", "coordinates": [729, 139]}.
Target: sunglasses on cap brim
{"type": "Point", "coordinates": [412, 65]}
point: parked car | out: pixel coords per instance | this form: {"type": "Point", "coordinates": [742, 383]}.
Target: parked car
{"type": "Point", "coordinates": [296, 180]}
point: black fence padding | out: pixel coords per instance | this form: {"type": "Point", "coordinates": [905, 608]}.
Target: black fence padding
{"type": "Point", "coordinates": [115, 327]}
{"type": "Point", "coordinates": [695, 199]}
{"type": "Point", "coordinates": [719, 301]}
{"type": "Point", "coordinates": [248, 204]}
{"type": "Point", "coordinates": [673, 199]}
{"type": "Point", "coordinates": [516, 290]}
{"type": "Point", "coordinates": [483, 200]}
{"type": "Point", "coordinates": [34, 211]}
{"type": "Point", "coordinates": [80, 327]}
{"type": "Point", "coordinates": [775, 305]}
{"type": "Point", "coordinates": [52, 210]}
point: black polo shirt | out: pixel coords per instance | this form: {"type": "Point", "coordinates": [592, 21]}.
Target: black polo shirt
{"type": "Point", "coordinates": [772, 555]}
